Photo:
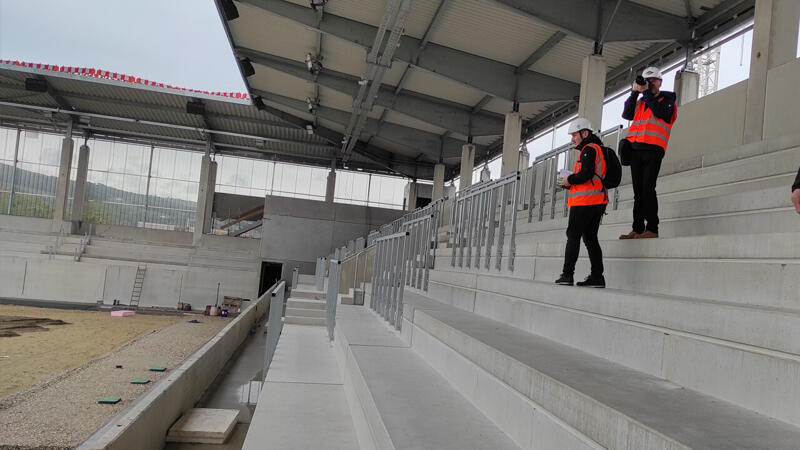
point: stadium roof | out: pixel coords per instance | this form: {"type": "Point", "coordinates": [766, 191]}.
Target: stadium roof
{"type": "Point", "coordinates": [394, 86]}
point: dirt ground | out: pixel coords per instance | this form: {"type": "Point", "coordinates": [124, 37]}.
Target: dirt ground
{"type": "Point", "coordinates": [76, 365]}
{"type": "Point", "coordinates": [32, 357]}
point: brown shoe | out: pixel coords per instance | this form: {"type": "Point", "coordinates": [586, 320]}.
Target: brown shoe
{"type": "Point", "coordinates": [647, 235]}
{"type": "Point", "coordinates": [631, 235]}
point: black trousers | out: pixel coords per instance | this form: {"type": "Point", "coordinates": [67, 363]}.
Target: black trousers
{"type": "Point", "coordinates": [584, 221]}
{"type": "Point", "coordinates": [645, 165]}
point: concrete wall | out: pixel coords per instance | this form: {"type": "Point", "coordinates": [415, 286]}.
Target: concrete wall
{"type": "Point", "coordinates": [145, 423]}
{"type": "Point", "coordinates": [709, 125]}
{"type": "Point", "coordinates": [780, 116]}
{"type": "Point", "coordinates": [25, 223]}
{"type": "Point", "coordinates": [297, 231]}
{"type": "Point", "coordinates": [142, 235]}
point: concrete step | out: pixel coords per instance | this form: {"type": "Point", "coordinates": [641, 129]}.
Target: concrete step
{"type": "Point", "coordinates": [770, 328]}
{"type": "Point", "coordinates": [614, 406]}
{"type": "Point", "coordinates": [308, 293]}
{"type": "Point", "coordinates": [718, 367]}
{"type": "Point", "coordinates": [303, 312]}
{"type": "Point", "coordinates": [295, 320]}
{"type": "Point", "coordinates": [305, 303]}
{"type": "Point", "coordinates": [399, 401]}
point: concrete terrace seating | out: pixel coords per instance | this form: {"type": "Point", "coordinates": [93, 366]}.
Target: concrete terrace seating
{"type": "Point", "coordinates": [695, 343]}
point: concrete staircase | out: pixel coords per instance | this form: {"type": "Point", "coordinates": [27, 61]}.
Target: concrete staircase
{"type": "Point", "coordinates": [695, 343]}
{"type": "Point", "coordinates": [305, 306]}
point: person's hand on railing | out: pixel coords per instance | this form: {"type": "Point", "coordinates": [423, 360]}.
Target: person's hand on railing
{"type": "Point", "coordinates": [796, 200]}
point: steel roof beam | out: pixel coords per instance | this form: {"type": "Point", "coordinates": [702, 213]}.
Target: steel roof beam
{"type": "Point", "coordinates": [415, 140]}
{"type": "Point", "coordinates": [543, 49]}
{"type": "Point", "coordinates": [486, 75]}
{"type": "Point", "coordinates": [448, 115]}
{"type": "Point", "coordinates": [581, 18]}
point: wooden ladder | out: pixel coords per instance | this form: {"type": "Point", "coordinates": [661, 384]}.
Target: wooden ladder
{"type": "Point", "coordinates": [136, 293]}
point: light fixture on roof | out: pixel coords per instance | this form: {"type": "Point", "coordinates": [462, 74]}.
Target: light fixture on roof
{"type": "Point", "coordinates": [259, 103]}
{"type": "Point", "coordinates": [36, 84]}
{"type": "Point", "coordinates": [310, 129]}
{"type": "Point", "coordinates": [313, 63]}
{"type": "Point", "coordinates": [195, 107]}
{"type": "Point", "coordinates": [247, 67]}
{"type": "Point", "coordinates": [362, 82]}
{"type": "Point", "coordinates": [229, 9]}
{"type": "Point", "coordinates": [311, 105]}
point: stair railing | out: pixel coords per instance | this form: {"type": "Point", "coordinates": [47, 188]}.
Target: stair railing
{"type": "Point", "coordinates": [332, 298]}
{"type": "Point", "coordinates": [388, 276]}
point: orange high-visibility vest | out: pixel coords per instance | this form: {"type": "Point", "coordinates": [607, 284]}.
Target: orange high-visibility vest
{"type": "Point", "coordinates": [591, 192]}
{"type": "Point", "coordinates": [649, 129]}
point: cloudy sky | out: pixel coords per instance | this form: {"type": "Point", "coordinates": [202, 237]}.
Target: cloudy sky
{"type": "Point", "coordinates": [181, 42]}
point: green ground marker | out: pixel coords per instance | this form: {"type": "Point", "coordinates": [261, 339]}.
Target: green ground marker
{"type": "Point", "coordinates": [109, 400]}
{"type": "Point", "coordinates": [140, 381]}
{"type": "Point", "coordinates": [158, 369]}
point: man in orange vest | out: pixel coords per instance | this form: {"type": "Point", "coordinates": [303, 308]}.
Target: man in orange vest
{"type": "Point", "coordinates": [652, 116]}
{"type": "Point", "coordinates": [587, 204]}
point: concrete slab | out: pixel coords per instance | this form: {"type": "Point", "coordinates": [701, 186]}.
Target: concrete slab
{"type": "Point", "coordinates": [405, 402]}
{"type": "Point", "coordinates": [204, 426]}
{"type": "Point", "coordinates": [302, 404]}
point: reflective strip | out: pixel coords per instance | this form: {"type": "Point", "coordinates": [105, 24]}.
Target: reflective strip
{"type": "Point", "coordinates": [584, 193]}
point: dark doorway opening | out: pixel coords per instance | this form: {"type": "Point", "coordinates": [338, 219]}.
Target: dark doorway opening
{"type": "Point", "coordinates": [421, 202]}
{"type": "Point", "coordinates": [270, 273]}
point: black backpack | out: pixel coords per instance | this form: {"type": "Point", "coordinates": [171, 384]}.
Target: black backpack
{"type": "Point", "coordinates": [613, 168]}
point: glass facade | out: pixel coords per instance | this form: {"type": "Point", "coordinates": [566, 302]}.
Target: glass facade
{"type": "Point", "coordinates": [149, 186]}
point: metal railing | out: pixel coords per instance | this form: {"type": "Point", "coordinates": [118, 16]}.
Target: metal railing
{"type": "Point", "coordinates": [479, 219]}
{"type": "Point", "coordinates": [295, 277]}
{"type": "Point", "coordinates": [388, 277]}
{"type": "Point", "coordinates": [332, 298]}
{"type": "Point", "coordinates": [53, 249]}
{"type": "Point", "coordinates": [319, 274]}
{"type": "Point", "coordinates": [85, 241]}
{"type": "Point", "coordinates": [274, 324]}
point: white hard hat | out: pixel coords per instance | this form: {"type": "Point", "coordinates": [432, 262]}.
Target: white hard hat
{"type": "Point", "coordinates": [579, 124]}
{"type": "Point", "coordinates": [651, 72]}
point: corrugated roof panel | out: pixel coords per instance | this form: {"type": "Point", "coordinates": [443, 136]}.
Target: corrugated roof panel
{"type": "Point", "coordinates": [498, 105]}
{"type": "Point", "coordinates": [565, 59]}
{"type": "Point", "coordinates": [335, 99]}
{"type": "Point", "coordinates": [482, 28]}
{"type": "Point", "coordinates": [371, 12]}
{"type": "Point", "coordinates": [271, 80]}
{"type": "Point", "coordinates": [9, 112]}
{"type": "Point", "coordinates": [343, 56]}
{"type": "Point", "coordinates": [331, 125]}
{"type": "Point", "coordinates": [22, 96]}
{"type": "Point", "coordinates": [618, 52]}
{"type": "Point", "coordinates": [486, 140]}
{"type": "Point", "coordinates": [267, 131]}
{"type": "Point", "coordinates": [430, 84]}
{"type": "Point", "coordinates": [528, 110]}
{"type": "Point", "coordinates": [678, 8]}
{"type": "Point", "coordinates": [269, 33]}
{"type": "Point", "coordinates": [408, 121]}
{"type": "Point", "coordinates": [376, 113]}
{"type": "Point", "coordinates": [394, 147]}
{"type": "Point", "coordinates": [137, 127]}
{"type": "Point", "coordinates": [392, 76]}
{"type": "Point", "coordinates": [123, 93]}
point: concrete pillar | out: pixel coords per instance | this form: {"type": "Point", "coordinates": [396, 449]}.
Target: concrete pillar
{"type": "Point", "coordinates": [467, 165]}
{"type": "Point", "coordinates": [524, 159]}
{"type": "Point", "coordinates": [775, 27]}
{"type": "Point", "coordinates": [687, 85]}
{"type": "Point", "coordinates": [512, 135]}
{"type": "Point", "coordinates": [593, 90]}
{"type": "Point", "coordinates": [212, 185]}
{"type": "Point", "coordinates": [411, 196]}
{"type": "Point", "coordinates": [79, 193]}
{"type": "Point", "coordinates": [202, 199]}
{"type": "Point", "coordinates": [62, 187]}
{"type": "Point", "coordinates": [438, 182]}
{"type": "Point", "coordinates": [330, 188]}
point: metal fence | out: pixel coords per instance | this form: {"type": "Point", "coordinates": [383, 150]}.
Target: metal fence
{"type": "Point", "coordinates": [478, 224]}
{"type": "Point", "coordinates": [319, 273]}
{"type": "Point", "coordinates": [388, 277]}
{"type": "Point", "coordinates": [274, 323]}
{"type": "Point", "coordinates": [332, 298]}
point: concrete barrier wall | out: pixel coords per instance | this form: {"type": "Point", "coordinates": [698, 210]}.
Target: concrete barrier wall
{"type": "Point", "coordinates": [297, 231]}
{"type": "Point", "coordinates": [135, 234]}
{"type": "Point", "coordinates": [144, 424]}
{"type": "Point", "coordinates": [780, 116]}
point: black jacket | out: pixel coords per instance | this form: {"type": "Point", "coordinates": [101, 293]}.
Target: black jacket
{"type": "Point", "coordinates": [796, 184]}
{"type": "Point", "coordinates": [587, 161]}
{"type": "Point", "coordinates": [661, 109]}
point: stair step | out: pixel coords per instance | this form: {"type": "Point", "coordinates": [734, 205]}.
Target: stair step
{"type": "Point", "coordinates": [404, 402]}
{"type": "Point", "coordinates": [304, 320]}
{"type": "Point", "coordinates": [303, 303]}
{"type": "Point", "coordinates": [302, 312]}
{"type": "Point", "coordinates": [613, 405]}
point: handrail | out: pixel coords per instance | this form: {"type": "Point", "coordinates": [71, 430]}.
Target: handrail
{"type": "Point", "coordinates": [274, 323]}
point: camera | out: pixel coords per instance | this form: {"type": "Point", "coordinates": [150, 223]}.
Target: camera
{"type": "Point", "coordinates": [641, 81]}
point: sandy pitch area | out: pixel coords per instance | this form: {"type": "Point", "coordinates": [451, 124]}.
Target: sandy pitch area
{"type": "Point", "coordinates": [76, 365]}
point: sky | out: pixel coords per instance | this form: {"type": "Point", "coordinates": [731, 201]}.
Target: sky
{"type": "Point", "coordinates": [180, 42]}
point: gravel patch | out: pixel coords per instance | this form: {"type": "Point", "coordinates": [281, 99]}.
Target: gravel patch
{"type": "Point", "coordinates": [62, 411]}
